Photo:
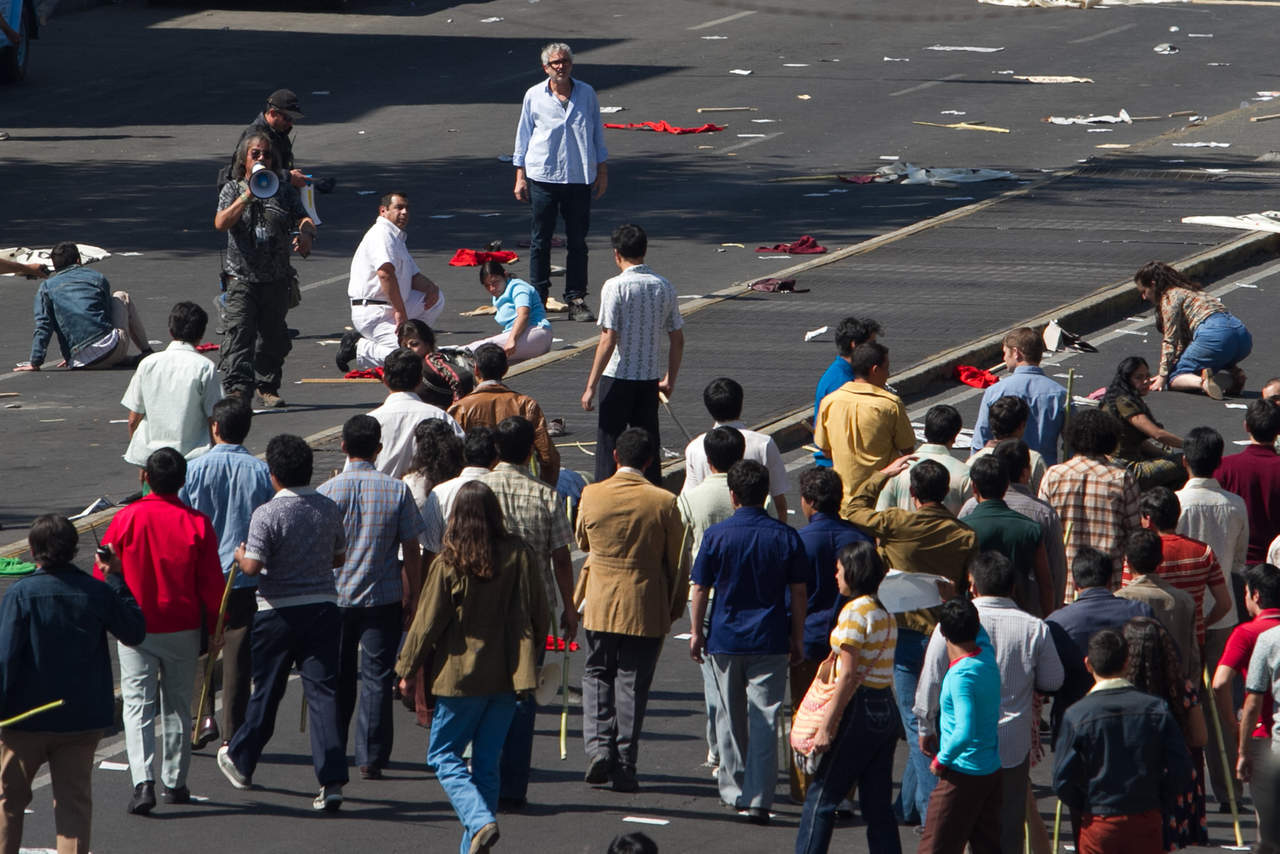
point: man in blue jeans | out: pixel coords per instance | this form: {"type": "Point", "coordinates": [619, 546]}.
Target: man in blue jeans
{"type": "Point", "coordinates": [560, 165]}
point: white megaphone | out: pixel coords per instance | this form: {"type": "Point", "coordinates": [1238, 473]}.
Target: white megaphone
{"type": "Point", "coordinates": [263, 183]}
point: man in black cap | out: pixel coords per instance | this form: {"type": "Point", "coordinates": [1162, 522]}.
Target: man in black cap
{"type": "Point", "coordinates": [276, 121]}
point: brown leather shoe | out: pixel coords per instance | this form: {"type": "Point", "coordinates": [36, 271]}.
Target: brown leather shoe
{"type": "Point", "coordinates": [206, 733]}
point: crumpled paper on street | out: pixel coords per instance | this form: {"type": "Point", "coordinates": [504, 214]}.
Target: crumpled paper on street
{"type": "Point", "coordinates": [1051, 78]}
{"type": "Point", "coordinates": [909, 173]}
{"type": "Point", "coordinates": [1264, 221]}
{"type": "Point", "coordinates": [1090, 120]}
{"type": "Point", "coordinates": [23, 255]}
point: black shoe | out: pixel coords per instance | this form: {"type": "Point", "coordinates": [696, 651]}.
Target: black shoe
{"type": "Point", "coordinates": [578, 311]}
{"type": "Point", "coordinates": [180, 795]}
{"type": "Point", "coordinates": [370, 772]}
{"type": "Point", "coordinates": [143, 800]}
{"type": "Point", "coordinates": [624, 780]}
{"type": "Point", "coordinates": [347, 350]}
{"type": "Point", "coordinates": [293, 333]}
{"type": "Point", "coordinates": [758, 815]}
{"type": "Point", "coordinates": [598, 770]}
{"type": "Point", "coordinates": [325, 185]}
{"type": "Point", "coordinates": [512, 804]}
{"type": "Point", "coordinates": [207, 733]}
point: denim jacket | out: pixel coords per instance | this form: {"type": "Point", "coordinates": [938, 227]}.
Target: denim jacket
{"type": "Point", "coordinates": [1120, 752]}
{"type": "Point", "coordinates": [53, 646]}
{"type": "Point", "coordinates": [75, 305]}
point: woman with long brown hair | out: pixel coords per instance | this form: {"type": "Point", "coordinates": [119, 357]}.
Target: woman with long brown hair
{"type": "Point", "coordinates": [1155, 668]}
{"type": "Point", "coordinates": [1202, 343]}
{"type": "Point", "coordinates": [480, 617]}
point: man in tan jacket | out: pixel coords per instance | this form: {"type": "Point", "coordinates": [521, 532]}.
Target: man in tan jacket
{"type": "Point", "coordinates": [491, 401]}
{"type": "Point", "coordinates": [632, 586]}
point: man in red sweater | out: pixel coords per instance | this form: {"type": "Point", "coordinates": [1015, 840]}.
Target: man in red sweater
{"type": "Point", "coordinates": [1254, 475]}
{"type": "Point", "coordinates": [169, 555]}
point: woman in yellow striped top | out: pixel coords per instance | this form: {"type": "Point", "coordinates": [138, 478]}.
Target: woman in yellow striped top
{"type": "Point", "coordinates": [860, 732]}
{"type": "Point", "coordinates": [1202, 343]}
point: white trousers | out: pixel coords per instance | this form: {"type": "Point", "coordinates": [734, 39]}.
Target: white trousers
{"type": "Point", "coordinates": [377, 327]}
{"type": "Point", "coordinates": [156, 681]}
{"type": "Point", "coordinates": [534, 341]}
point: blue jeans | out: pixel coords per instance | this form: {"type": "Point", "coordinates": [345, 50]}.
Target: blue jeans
{"type": "Point", "coordinates": [517, 752]}
{"type": "Point", "coordinates": [917, 780]}
{"type": "Point", "coordinates": [377, 631]}
{"type": "Point", "coordinates": [307, 634]}
{"type": "Point", "coordinates": [1219, 343]}
{"type": "Point", "coordinates": [862, 753]}
{"type": "Point", "coordinates": [481, 722]}
{"type": "Point", "coordinates": [550, 201]}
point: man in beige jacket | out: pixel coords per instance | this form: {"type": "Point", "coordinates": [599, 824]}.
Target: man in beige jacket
{"type": "Point", "coordinates": [632, 586]}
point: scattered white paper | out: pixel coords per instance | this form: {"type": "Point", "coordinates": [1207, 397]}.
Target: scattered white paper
{"type": "Point", "coordinates": [964, 47]}
{"type": "Point", "coordinates": [1100, 130]}
{"type": "Point", "coordinates": [1122, 116]}
{"type": "Point", "coordinates": [953, 113]}
{"type": "Point", "coordinates": [1242, 442]}
{"type": "Point", "coordinates": [1042, 78]}
{"type": "Point", "coordinates": [741, 72]}
{"type": "Point", "coordinates": [1236, 405]}
{"type": "Point", "coordinates": [113, 766]}
{"type": "Point", "coordinates": [795, 65]}
{"type": "Point", "coordinates": [1199, 35]}
{"type": "Point", "coordinates": [897, 59]}
{"type": "Point", "coordinates": [1202, 145]}
{"type": "Point", "coordinates": [682, 636]}
{"type": "Point", "coordinates": [491, 20]}
{"type": "Point", "coordinates": [752, 135]}
{"type": "Point", "coordinates": [1174, 29]}
{"type": "Point", "coordinates": [1165, 48]}
{"type": "Point", "coordinates": [1244, 285]}
{"type": "Point", "coordinates": [763, 121]}
{"type": "Point", "coordinates": [815, 333]}
{"type": "Point", "coordinates": [639, 819]}
{"type": "Point", "coordinates": [1131, 332]}
{"type": "Point", "coordinates": [442, 216]}
{"type": "Point", "coordinates": [1215, 171]}
{"type": "Point", "coordinates": [612, 109]}
{"type": "Point", "coordinates": [715, 38]}
{"type": "Point", "coordinates": [890, 157]}
{"type": "Point", "coordinates": [1005, 71]}
{"type": "Point", "coordinates": [128, 254]}
{"type": "Point", "coordinates": [557, 340]}
{"type": "Point", "coordinates": [118, 421]}
{"type": "Point", "coordinates": [360, 133]}
{"type": "Point", "coordinates": [320, 92]}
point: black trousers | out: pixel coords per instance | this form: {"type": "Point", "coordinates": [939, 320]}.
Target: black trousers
{"type": "Point", "coordinates": [622, 404]}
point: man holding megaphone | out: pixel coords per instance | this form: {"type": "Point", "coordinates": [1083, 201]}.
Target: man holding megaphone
{"type": "Point", "coordinates": [264, 220]}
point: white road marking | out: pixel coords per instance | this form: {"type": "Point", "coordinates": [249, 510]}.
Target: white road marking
{"type": "Point", "coordinates": [747, 142]}
{"type": "Point", "coordinates": [1103, 34]}
{"type": "Point", "coordinates": [927, 85]}
{"type": "Point", "coordinates": [726, 19]}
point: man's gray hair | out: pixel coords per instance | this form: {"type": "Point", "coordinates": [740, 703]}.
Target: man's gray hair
{"type": "Point", "coordinates": [554, 48]}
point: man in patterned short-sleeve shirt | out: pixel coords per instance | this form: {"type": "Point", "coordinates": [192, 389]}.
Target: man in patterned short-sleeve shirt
{"type": "Point", "coordinates": [636, 308]}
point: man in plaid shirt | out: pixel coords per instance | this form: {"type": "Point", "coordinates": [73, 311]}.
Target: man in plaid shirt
{"type": "Point", "coordinates": [533, 510]}
{"type": "Point", "coordinates": [1096, 500]}
{"type": "Point", "coordinates": [380, 516]}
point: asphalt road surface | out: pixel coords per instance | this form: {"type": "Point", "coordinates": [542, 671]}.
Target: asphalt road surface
{"type": "Point", "coordinates": [129, 112]}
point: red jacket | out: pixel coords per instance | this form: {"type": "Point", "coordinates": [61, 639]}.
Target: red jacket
{"type": "Point", "coordinates": [170, 558]}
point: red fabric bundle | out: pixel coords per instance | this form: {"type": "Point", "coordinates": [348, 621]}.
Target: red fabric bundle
{"type": "Point", "coordinates": [664, 127]}
{"type": "Point", "coordinates": [806, 245]}
{"type": "Point", "coordinates": [364, 374]}
{"type": "Point", "coordinates": [555, 644]}
{"type": "Point", "coordinates": [476, 257]}
{"type": "Point", "coordinates": [976, 377]}
{"type": "Point", "coordinates": [206, 347]}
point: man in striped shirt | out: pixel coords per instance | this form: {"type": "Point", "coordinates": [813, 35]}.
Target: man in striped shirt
{"type": "Point", "coordinates": [1188, 564]}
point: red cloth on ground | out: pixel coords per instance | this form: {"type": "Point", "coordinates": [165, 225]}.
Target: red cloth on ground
{"type": "Point", "coordinates": [170, 558]}
{"type": "Point", "coordinates": [364, 374]}
{"type": "Point", "coordinates": [857, 179]}
{"type": "Point", "coordinates": [1138, 833]}
{"type": "Point", "coordinates": [806, 245]}
{"type": "Point", "coordinates": [206, 347]}
{"type": "Point", "coordinates": [476, 257]}
{"type": "Point", "coordinates": [664, 127]}
{"type": "Point", "coordinates": [976, 377]}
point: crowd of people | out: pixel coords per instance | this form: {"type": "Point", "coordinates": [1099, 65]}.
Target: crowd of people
{"type": "Point", "coordinates": [1064, 575]}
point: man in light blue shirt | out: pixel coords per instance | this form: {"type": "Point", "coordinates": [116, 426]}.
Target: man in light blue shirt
{"type": "Point", "coordinates": [227, 484]}
{"type": "Point", "coordinates": [1023, 349]}
{"type": "Point", "coordinates": [851, 332]}
{"type": "Point", "coordinates": [560, 163]}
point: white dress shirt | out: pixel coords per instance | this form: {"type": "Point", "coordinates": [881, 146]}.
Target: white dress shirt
{"type": "Point", "coordinates": [399, 415]}
{"type": "Point", "coordinates": [1218, 518]}
{"type": "Point", "coordinates": [760, 447]}
{"type": "Point", "coordinates": [174, 390]}
{"type": "Point", "coordinates": [383, 243]}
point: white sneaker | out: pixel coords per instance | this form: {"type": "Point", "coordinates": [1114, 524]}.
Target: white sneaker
{"type": "Point", "coordinates": [329, 799]}
{"type": "Point", "coordinates": [230, 771]}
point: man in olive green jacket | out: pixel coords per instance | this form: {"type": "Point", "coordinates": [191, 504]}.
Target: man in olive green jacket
{"type": "Point", "coordinates": [632, 586]}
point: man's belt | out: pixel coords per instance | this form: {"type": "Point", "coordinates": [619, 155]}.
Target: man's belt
{"type": "Point", "coordinates": [369, 302]}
